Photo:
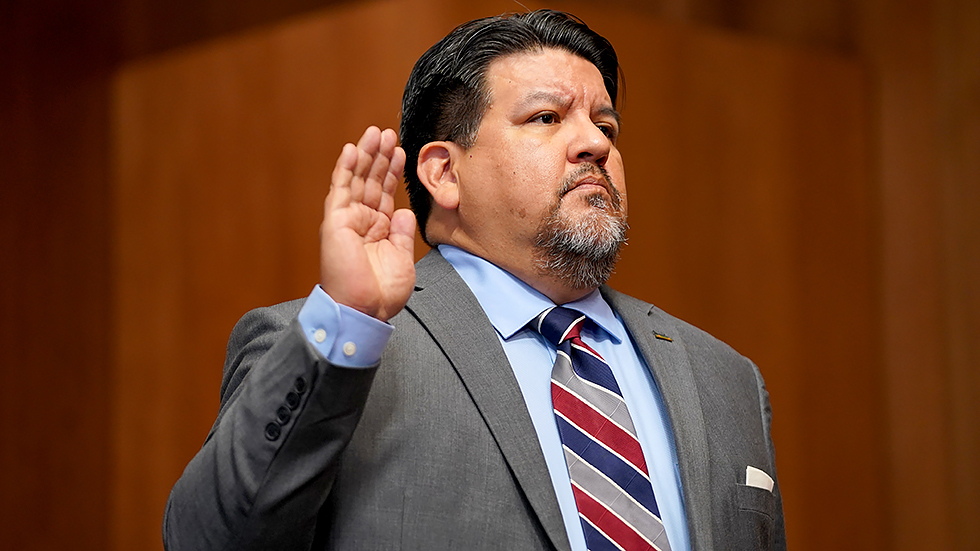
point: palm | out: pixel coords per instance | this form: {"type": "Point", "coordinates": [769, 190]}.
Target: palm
{"type": "Point", "coordinates": [366, 246]}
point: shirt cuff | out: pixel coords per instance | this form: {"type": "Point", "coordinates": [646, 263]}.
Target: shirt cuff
{"type": "Point", "coordinates": [343, 335]}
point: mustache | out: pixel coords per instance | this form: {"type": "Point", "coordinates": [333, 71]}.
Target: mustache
{"type": "Point", "coordinates": [600, 174]}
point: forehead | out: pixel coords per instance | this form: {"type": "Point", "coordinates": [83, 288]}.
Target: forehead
{"type": "Point", "coordinates": [545, 72]}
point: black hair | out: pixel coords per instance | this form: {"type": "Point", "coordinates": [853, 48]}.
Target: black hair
{"type": "Point", "coordinates": [446, 97]}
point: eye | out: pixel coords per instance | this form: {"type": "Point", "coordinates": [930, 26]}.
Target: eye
{"type": "Point", "coordinates": [545, 118]}
{"type": "Point", "coordinates": [609, 130]}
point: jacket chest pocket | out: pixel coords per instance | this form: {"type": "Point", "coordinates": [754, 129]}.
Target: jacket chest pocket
{"type": "Point", "coordinates": [755, 517]}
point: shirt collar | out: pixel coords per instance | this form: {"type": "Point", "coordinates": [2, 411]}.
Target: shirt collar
{"type": "Point", "coordinates": [510, 303]}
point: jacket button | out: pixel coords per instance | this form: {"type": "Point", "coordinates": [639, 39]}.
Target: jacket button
{"type": "Point", "coordinates": [283, 415]}
{"type": "Point", "coordinates": [292, 400]}
{"type": "Point", "coordinates": [272, 431]}
{"type": "Point", "coordinates": [300, 385]}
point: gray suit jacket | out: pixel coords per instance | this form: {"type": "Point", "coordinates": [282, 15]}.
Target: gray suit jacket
{"type": "Point", "coordinates": [434, 449]}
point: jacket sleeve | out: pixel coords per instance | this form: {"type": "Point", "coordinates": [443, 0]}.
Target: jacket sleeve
{"type": "Point", "coordinates": [269, 461]}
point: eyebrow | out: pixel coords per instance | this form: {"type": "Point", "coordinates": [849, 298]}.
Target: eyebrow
{"type": "Point", "coordinates": [551, 97]}
{"type": "Point", "coordinates": [540, 96]}
{"type": "Point", "coordinates": [612, 112]}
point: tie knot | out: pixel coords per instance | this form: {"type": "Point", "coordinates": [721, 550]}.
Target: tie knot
{"type": "Point", "coordinates": [559, 324]}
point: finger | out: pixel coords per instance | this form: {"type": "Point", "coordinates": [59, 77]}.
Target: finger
{"type": "Point", "coordinates": [373, 185]}
{"type": "Point", "coordinates": [344, 167]}
{"type": "Point", "coordinates": [340, 179]}
{"type": "Point", "coordinates": [367, 149]}
{"type": "Point", "coordinates": [389, 140]}
{"type": "Point", "coordinates": [395, 171]}
{"type": "Point", "coordinates": [370, 139]}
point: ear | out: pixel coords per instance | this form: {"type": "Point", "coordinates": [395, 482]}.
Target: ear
{"type": "Point", "coordinates": [436, 170]}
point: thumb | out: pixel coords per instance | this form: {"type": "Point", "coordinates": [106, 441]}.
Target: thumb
{"type": "Point", "coordinates": [402, 230]}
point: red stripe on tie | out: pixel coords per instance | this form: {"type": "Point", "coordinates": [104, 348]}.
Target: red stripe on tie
{"type": "Point", "coordinates": [574, 334]}
{"type": "Point", "coordinates": [618, 531]}
{"type": "Point", "coordinates": [577, 341]}
{"type": "Point", "coordinates": [598, 426]}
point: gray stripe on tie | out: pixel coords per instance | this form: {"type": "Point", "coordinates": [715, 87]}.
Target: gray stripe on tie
{"type": "Point", "coordinates": [609, 403]}
{"type": "Point", "coordinates": [616, 499]}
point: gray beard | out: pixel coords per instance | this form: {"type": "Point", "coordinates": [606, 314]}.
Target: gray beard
{"type": "Point", "coordinates": [582, 253]}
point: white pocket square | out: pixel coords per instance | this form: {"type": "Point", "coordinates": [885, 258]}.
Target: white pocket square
{"type": "Point", "coordinates": [758, 478]}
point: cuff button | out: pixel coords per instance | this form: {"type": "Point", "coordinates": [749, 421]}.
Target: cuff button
{"type": "Point", "coordinates": [349, 349]}
{"type": "Point", "coordinates": [283, 415]}
{"type": "Point", "coordinates": [272, 431]}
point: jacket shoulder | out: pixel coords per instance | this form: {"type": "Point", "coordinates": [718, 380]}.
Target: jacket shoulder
{"type": "Point", "coordinates": [657, 323]}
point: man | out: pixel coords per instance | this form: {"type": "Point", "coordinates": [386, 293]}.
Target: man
{"type": "Point", "coordinates": [482, 416]}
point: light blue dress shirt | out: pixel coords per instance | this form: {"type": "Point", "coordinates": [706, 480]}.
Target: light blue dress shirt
{"type": "Point", "coordinates": [510, 304]}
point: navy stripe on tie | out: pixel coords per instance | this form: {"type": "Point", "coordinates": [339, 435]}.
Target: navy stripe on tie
{"type": "Point", "coordinates": [596, 540]}
{"type": "Point", "coordinates": [594, 370]}
{"type": "Point", "coordinates": [620, 472]}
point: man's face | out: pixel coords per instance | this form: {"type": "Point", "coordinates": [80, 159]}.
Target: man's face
{"type": "Point", "coordinates": [544, 170]}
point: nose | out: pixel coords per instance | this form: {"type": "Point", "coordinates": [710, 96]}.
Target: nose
{"type": "Point", "coordinates": [588, 144]}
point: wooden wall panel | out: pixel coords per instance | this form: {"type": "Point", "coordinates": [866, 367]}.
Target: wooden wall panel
{"type": "Point", "coordinates": [959, 154]}
{"type": "Point", "coordinates": [55, 279]}
{"type": "Point", "coordinates": [922, 56]}
{"type": "Point", "coordinates": [750, 213]}
{"type": "Point", "coordinates": [54, 293]}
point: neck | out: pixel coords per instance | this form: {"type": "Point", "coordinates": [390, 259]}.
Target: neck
{"type": "Point", "coordinates": [552, 287]}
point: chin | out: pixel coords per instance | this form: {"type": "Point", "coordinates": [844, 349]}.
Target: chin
{"type": "Point", "coordinates": [581, 250]}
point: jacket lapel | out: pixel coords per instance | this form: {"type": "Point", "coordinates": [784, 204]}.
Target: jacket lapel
{"type": "Point", "coordinates": [445, 306]}
{"type": "Point", "coordinates": [671, 370]}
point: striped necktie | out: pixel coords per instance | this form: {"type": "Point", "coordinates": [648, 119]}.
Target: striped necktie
{"type": "Point", "coordinates": [605, 463]}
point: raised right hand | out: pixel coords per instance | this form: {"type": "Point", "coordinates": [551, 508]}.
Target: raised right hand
{"type": "Point", "coordinates": [366, 246]}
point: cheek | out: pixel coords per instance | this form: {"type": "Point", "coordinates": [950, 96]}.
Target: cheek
{"type": "Point", "coordinates": [530, 158]}
{"type": "Point", "coordinates": [544, 169]}
{"type": "Point", "coordinates": [533, 178]}
{"type": "Point", "coordinates": [617, 173]}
